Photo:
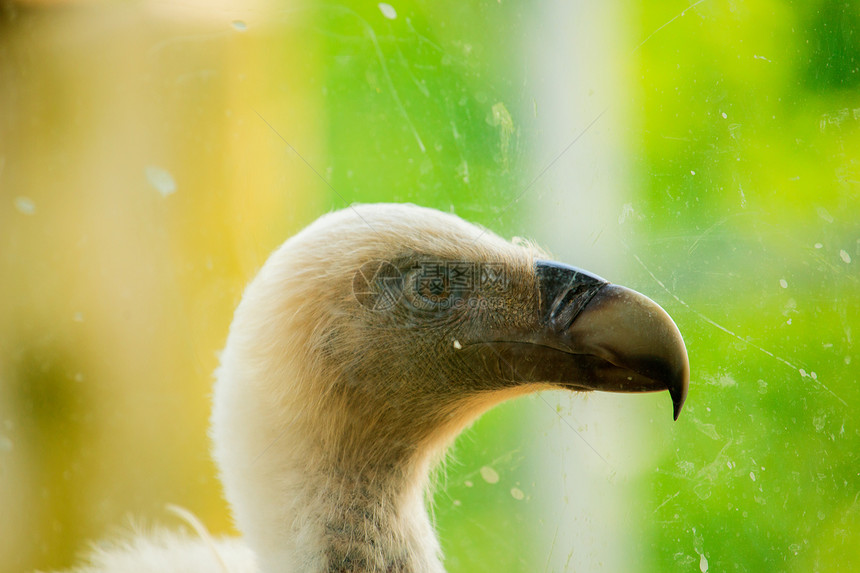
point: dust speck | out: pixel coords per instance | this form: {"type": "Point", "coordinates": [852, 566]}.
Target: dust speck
{"type": "Point", "coordinates": [25, 205]}
{"type": "Point", "coordinates": [824, 214]}
{"type": "Point", "coordinates": [627, 212]}
{"type": "Point", "coordinates": [489, 474]}
{"type": "Point", "coordinates": [387, 10]}
{"type": "Point", "coordinates": [161, 179]}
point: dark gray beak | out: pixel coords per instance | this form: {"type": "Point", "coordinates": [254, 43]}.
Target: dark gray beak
{"type": "Point", "coordinates": [610, 338]}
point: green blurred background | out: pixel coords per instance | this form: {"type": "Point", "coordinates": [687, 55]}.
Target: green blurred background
{"type": "Point", "coordinates": [707, 154]}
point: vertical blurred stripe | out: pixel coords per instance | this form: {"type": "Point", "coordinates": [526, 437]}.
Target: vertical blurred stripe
{"type": "Point", "coordinates": [586, 459]}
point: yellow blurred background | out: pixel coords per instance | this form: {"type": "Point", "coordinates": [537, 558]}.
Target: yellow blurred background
{"type": "Point", "coordinates": [135, 206]}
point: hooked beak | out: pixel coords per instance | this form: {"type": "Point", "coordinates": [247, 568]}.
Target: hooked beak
{"type": "Point", "coordinates": [593, 335]}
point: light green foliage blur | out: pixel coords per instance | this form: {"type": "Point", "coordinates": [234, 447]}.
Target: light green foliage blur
{"type": "Point", "coordinates": [749, 178]}
{"type": "Point", "coordinates": [416, 106]}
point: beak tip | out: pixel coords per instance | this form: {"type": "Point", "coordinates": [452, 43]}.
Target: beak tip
{"type": "Point", "coordinates": [678, 392]}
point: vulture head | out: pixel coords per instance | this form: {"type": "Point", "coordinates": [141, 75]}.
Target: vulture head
{"type": "Point", "coordinates": [368, 341]}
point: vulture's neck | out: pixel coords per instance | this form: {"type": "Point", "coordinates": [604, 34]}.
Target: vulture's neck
{"type": "Point", "coordinates": [316, 495]}
{"type": "Point", "coordinates": [346, 518]}
{"type": "Point", "coordinates": [368, 522]}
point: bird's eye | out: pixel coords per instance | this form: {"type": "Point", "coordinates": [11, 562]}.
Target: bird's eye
{"type": "Point", "coordinates": [433, 290]}
{"type": "Point", "coordinates": [433, 286]}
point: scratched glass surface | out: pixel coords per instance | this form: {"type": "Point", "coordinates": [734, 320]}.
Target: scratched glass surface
{"type": "Point", "coordinates": [703, 153]}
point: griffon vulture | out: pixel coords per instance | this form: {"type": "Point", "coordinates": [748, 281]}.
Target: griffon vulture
{"type": "Point", "coordinates": [365, 344]}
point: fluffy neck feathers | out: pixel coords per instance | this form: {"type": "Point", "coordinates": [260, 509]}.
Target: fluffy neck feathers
{"type": "Point", "coordinates": [305, 508]}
